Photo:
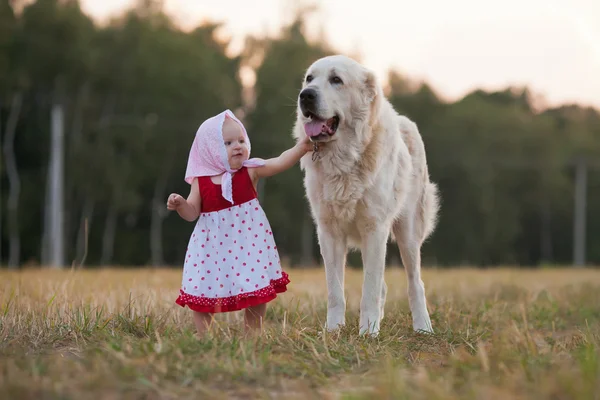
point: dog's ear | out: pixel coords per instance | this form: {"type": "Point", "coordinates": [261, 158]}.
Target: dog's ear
{"type": "Point", "coordinates": [371, 85]}
{"type": "Point", "coordinates": [374, 92]}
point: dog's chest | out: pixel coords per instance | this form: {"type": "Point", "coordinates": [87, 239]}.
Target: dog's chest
{"type": "Point", "coordinates": [336, 195]}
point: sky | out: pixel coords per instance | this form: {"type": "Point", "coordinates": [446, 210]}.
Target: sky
{"type": "Point", "coordinates": [551, 46]}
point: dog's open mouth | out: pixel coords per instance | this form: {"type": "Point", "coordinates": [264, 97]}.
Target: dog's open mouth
{"type": "Point", "coordinates": [318, 128]}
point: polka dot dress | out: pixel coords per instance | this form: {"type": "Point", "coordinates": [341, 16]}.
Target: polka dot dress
{"type": "Point", "coordinates": [231, 261]}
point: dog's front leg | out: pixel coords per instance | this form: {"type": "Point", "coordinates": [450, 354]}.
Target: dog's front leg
{"type": "Point", "coordinates": [373, 255]}
{"type": "Point", "coordinates": [333, 251]}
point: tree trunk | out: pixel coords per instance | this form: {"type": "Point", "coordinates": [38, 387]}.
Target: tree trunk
{"type": "Point", "coordinates": [307, 241]}
{"type": "Point", "coordinates": [579, 214]}
{"type": "Point", "coordinates": [73, 188]}
{"type": "Point", "coordinates": [546, 232]}
{"type": "Point", "coordinates": [14, 256]}
{"type": "Point", "coordinates": [45, 254]}
{"type": "Point", "coordinates": [159, 211]}
{"type": "Point", "coordinates": [84, 229]}
{"type": "Point", "coordinates": [56, 173]}
{"type": "Point", "coordinates": [158, 215]}
{"type": "Point", "coordinates": [108, 239]}
{"type": "Point", "coordinates": [77, 127]}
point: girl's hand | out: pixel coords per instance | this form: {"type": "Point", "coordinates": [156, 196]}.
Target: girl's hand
{"type": "Point", "coordinates": [188, 209]}
{"type": "Point", "coordinates": [175, 201]}
{"type": "Point", "coordinates": [305, 144]}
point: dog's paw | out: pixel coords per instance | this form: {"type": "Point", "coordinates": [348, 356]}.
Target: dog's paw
{"type": "Point", "coordinates": [369, 325]}
{"type": "Point", "coordinates": [422, 324]}
{"type": "Point", "coordinates": [336, 319]}
{"type": "Point", "coordinates": [424, 332]}
{"type": "Point", "coordinates": [365, 332]}
{"type": "Point", "coordinates": [332, 332]}
{"type": "Point", "coordinates": [334, 326]}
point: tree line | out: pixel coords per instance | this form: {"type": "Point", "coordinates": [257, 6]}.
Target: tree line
{"type": "Point", "coordinates": [519, 182]}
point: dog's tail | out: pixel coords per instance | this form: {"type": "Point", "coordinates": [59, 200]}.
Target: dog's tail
{"type": "Point", "coordinates": [428, 210]}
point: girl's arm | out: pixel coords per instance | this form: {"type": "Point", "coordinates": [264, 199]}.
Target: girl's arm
{"type": "Point", "coordinates": [286, 160]}
{"type": "Point", "coordinates": [188, 209]}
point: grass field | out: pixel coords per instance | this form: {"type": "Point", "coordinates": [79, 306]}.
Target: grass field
{"type": "Point", "coordinates": [108, 334]}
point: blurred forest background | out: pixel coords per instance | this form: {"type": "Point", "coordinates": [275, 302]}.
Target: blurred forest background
{"type": "Point", "coordinates": [519, 182]}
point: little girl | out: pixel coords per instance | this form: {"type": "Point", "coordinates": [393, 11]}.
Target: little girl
{"type": "Point", "coordinates": [231, 262]}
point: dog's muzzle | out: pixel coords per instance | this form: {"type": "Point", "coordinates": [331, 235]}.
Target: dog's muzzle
{"type": "Point", "coordinates": [308, 101]}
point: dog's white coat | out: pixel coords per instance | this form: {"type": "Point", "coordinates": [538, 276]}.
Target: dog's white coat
{"type": "Point", "coordinates": [371, 183]}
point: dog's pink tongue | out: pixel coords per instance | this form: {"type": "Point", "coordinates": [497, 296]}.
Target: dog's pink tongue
{"type": "Point", "coordinates": [314, 128]}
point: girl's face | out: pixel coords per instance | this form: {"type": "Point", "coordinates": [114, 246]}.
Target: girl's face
{"type": "Point", "coordinates": [235, 143]}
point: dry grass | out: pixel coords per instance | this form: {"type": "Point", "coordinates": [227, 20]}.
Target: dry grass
{"type": "Point", "coordinates": [501, 334]}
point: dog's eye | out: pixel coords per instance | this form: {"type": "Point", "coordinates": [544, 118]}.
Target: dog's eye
{"type": "Point", "coordinates": [309, 78]}
{"type": "Point", "coordinates": [336, 79]}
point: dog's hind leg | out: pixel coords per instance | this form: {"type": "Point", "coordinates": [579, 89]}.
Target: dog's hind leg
{"type": "Point", "coordinates": [410, 251]}
{"type": "Point", "coordinates": [410, 232]}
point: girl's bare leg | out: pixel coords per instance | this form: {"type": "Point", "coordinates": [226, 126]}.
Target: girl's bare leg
{"type": "Point", "coordinates": [254, 317]}
{"type": "Point", "coordinates": [202, 322]}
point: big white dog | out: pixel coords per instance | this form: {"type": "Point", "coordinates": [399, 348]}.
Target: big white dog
{"type": "Point", "coordinates": [367, 182]}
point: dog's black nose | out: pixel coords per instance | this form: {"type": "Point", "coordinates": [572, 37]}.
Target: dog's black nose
{"type": "Point", "coordinates": [308, 96]}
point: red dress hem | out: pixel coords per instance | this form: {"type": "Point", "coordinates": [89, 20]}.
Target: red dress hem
{"type": "Point", "coordinates": [237, 302]}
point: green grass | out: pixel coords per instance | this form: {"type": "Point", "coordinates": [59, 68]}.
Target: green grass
{"type": "Point", "coordinates": [499, 334]}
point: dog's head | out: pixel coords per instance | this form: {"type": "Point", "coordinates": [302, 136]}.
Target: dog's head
{"type": "Point", "coordinates": [338, 101]}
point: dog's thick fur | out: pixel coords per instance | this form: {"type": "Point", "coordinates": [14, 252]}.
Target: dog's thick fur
{"type": "Point", "coordinates": [370, 183]}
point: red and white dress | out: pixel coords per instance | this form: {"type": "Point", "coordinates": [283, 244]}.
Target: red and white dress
{"type": "Point", "coordinates": [231, 261]}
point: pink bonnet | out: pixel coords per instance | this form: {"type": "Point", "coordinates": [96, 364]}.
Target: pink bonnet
{"type": "Point", "coordinates": [208, 156]}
